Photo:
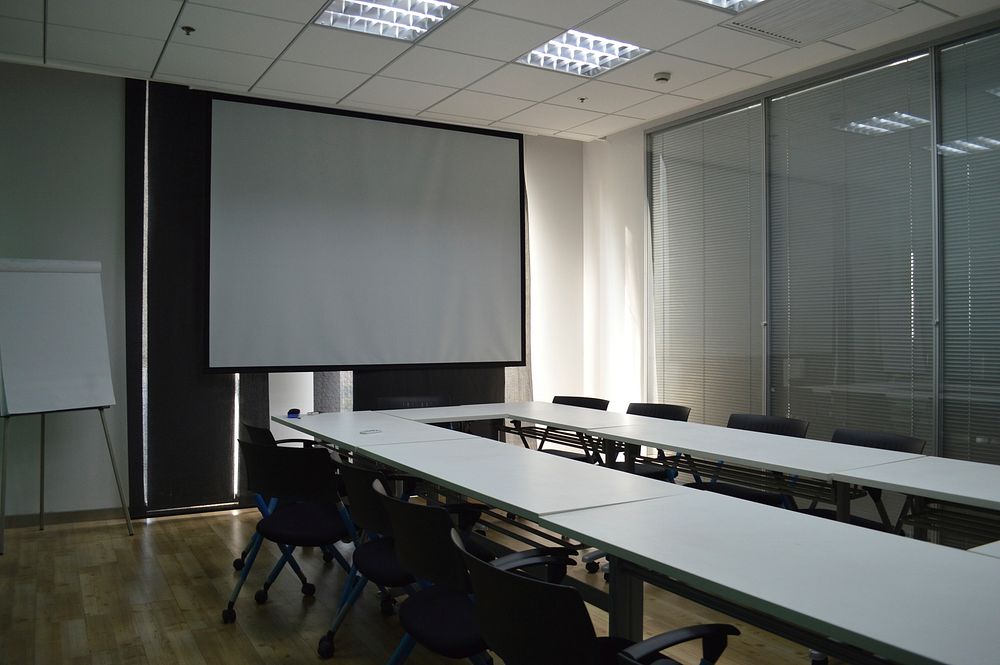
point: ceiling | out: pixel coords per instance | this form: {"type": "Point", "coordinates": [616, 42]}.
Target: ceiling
{"type": "Point", "coordinates": [461, 72]}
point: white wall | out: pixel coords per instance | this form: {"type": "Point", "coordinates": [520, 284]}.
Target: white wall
{"type": "Point", "coordinates": [62, 197]}
{"type": "Point", "coordinates": [616, 235]}
{"type": "Point", "coordinates": [554, 182]}
{"type": "Point", "coordinates": [289, 390]}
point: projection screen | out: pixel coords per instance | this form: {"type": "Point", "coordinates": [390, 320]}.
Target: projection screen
{"type": "Point", "coordinates": [341, 241]}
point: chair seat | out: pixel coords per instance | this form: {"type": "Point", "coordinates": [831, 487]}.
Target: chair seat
{"type": "Point", "coordinates": [830, 514]}
{"type": "Point", "coordinates": [739, 492]}
{"type": "Point", "coordinates": [376, 560]}
{"type": "Point", "coordinates": [655, 471]}
{"type": "Point", "coordinates": [568, 454]}
{"type": "Point", "coordinates": [303, 525]}
{"type": "Point", "coordinates": [444, 621]}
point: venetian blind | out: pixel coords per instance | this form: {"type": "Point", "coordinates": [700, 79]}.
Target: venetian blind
{"type": "Point", "coordinates": [706, 200]}
{"type": "Point", "coordinates": [851, 260]}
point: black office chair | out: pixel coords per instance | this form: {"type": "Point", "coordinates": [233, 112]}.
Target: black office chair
{"type": "Point", "coordinates": [308, 511]}
{"type": "Point", "coordinates": [658, 471]}
{"type": "Point", "coordinates": [440, 615]}
{"type": "Point", "coordinates": [867, 439]}
{"type": "Point", "coordinates": [263, 436]}
{"type": "Point", "coordinates": [756, 423]}
{"type": "Point", "coordinates": [374, 553]}
{"type": "Point", "coordinates": [588, 449]}
{"type": "Point", "coordinates": [528, 621]}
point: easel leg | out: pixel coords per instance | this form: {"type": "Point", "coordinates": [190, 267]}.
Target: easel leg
{"type": "Point", "coordinates": [3, 480]}
{"type": "Point", "coordinates": [114, 467]}
{"type": "Point", "coordinates": [41, 480]}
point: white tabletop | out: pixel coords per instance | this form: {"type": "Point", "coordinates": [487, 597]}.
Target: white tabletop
{"type": "Point", "coordinates": [907, 600]}
{"type": "Point", "coordinates": [526, 482]}
{"type": "Point", "coordinates": [787, 454]}
{"type": "Point", "coordinates": [565, 416]}
{"type": "Point", "coordinates": [959, 481]}
{"type": "Point", "coordinates": [447, 414]}
{"type": "Point", "coordinates": [364, 429]}
{"type": "Point", "coordinates": [989, 549]}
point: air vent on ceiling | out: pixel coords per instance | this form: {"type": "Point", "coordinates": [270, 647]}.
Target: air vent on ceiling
{"type": "Point", "coordinates": [802, 22]}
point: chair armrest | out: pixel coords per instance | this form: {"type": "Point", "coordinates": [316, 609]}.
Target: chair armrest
{"type": "Point", "coordinates": [555, 560]}
{"type": "Point", "coordinates": [713, 637]}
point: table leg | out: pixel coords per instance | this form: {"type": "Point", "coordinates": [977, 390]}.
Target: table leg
{"type": "Point", "coordinates": [625, 611]}
{"type": "Point", "coordinates": [842, 494]}
{"type": "Point", "coordinates": [41, 480]}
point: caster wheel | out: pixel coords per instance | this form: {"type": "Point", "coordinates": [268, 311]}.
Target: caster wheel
{"type": "Point", "coordinates": [229, 615]}
{"type": "Point", "coordinates": [325, 648]}
{"type": "Point", "coordinates": [607, 577]}
{"type": "Point", "coordinates": [387, 606]}
{"type": "Point", "coordinates": [260, 596]}
{"type": "Point", "coordinates": [593, 566]}
{"type": "Point", "coordinates": [237, 564]}
{"type": "Point", "coordinates": [308, 589]}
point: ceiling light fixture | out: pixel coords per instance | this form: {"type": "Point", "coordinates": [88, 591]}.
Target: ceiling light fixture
{"type": "Point", "coordinates": [578, 53]}
{"type": "Point", "coordinates": [399, 19]}
{"type": "Point", "coordinates": [732, 5]}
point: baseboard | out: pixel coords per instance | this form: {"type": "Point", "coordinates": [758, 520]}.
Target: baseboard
{"type": "Point", "coordinates": [67, 517]}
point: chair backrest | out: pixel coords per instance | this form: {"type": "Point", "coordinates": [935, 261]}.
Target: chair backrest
{"type": "Point", "coordinates": [289, 473]}
{"type": "Point", "coordinates": [882, 440]}
{"type": "Point", "coordinates": [422, 535]}
{"type": "Point", "coordinates": [654, 410]}
{"type": "Point", "coordinates": [527, 621]}
{"type": "Point", "coordinates": [255, 434]}
{"type": "Point", "coordinates": [367, 510]}
{"type": "Point", "coordinates": [585, 402]}
{"type": "Point", "coordinates": [768, 424]}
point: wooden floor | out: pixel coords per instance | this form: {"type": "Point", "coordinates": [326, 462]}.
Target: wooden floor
{"type": "Point", "coordinates": [89, 593]}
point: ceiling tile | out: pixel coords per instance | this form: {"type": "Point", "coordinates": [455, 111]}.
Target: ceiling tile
{"type": "Point", "coordinates": [560, 14]}
{"type": "Point", "coordinates": [797, 59]}
{"type": "Point", "coordinates": [202, 84]}
{"type": "Point", "coordinates": [398, 93]}
{"type": "Point", "coordinates": [285, 95]}
{"type": "Point", "coordinates": [725, 47]}
{"type": "Point", "coordinates": [721, 85]}
{"type": "Point", "coordinates": [480, 105]}
{"type": "Point", "coordinates": [151, 18]}
{"type": "Point", "coordinates": [966, 7]}
{"type": "Point", "coordinates": [289, 10]}
{"type": "Point", "coordinates": [306, 79]}
{"type": "Point", "coordinates": [659, 107]}
{"type": "Point", "coordinates": [234, 31]}
{"type": "Point", "coordinates": [209, 64]}
{"type": "Point", "coordinates": [609, 124]}
{"type": "Point", "coordinates": [603, 97]}
{"type": "Point", "coordinates": [655, 24]}
{"type": "Point", "coordinates": [523, 129]}
{"type": "Point", "coordinates": [683, 72]}
{"type": "Point", "coordinates": [28, 10]}
{"type": "Point", "coordinates": [527, 83]}
{"type": "Point", "coordinates": [342, 49]}
{"type": "Point", "coordinates": [911, 20]}
{"type": "Point", "coordinates": [381, 109]}
{"type": "Point", "coordinates": [104, 49]}
{"type": "Point", "coordinates": [453, 119]}
{"type": "Point", "coordinates": [550, 116]}
{"type": "Point", "coordinates": [488, 35]}
{"type": "Point", "coordinates": [22, 38]}
{"type": "Point", "coordinates": [429, 65]}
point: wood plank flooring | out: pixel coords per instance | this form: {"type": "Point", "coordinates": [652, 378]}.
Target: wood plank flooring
{"type": "Point", "coordinates": [90, 594]}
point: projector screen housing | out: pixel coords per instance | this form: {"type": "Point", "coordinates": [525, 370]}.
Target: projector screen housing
{"type": "Point", "coordinates": [347, 241]}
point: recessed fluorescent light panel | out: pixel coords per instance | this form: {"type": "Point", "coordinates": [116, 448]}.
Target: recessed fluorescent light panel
{"type": "Point", "coordinates": [732, 5]}
{"type": "Point", "coordinates": [408, 20]}
{"type": "Point", "coordinates": [578, 53]}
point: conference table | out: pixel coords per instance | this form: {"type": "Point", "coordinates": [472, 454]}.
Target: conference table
{"type": "Point", "coordinates": [863, 595]}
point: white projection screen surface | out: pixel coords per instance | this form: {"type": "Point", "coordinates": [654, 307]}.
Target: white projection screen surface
{"type": "Point", "coordinates": [346, 242]}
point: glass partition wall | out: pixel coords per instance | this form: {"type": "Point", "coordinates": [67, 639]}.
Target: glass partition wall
{"type": "Point", "coordinates": [833, 254]}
